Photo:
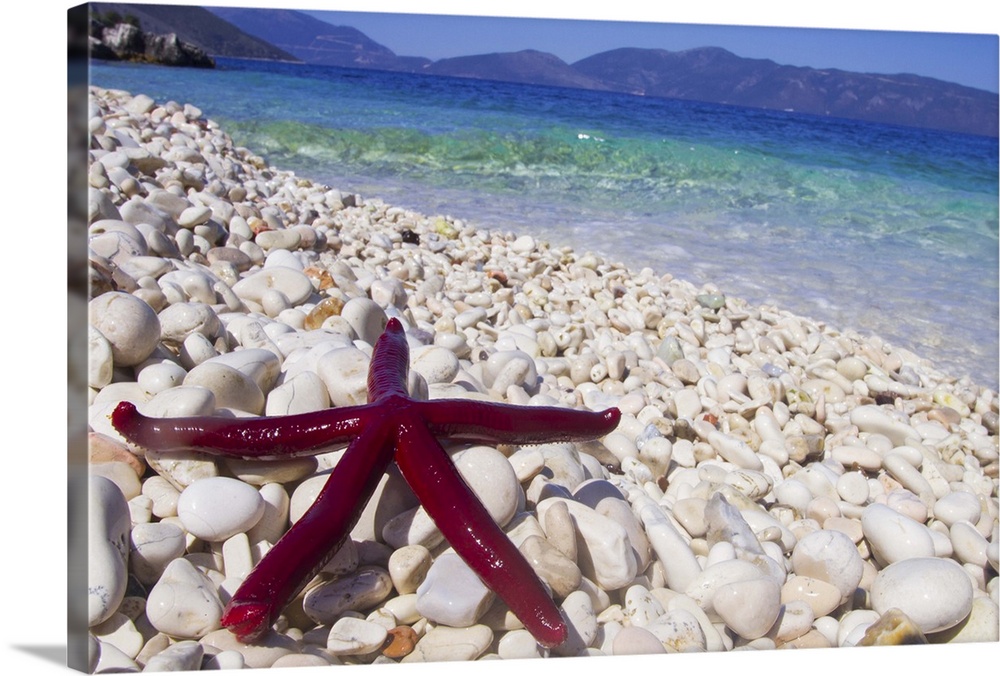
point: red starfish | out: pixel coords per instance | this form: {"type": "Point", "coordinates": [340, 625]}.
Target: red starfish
{"type": "Point", "coordinates": [390, 427]}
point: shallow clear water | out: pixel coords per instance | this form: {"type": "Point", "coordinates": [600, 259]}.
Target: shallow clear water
{"type": "Point", "coordinates": [887, 230]}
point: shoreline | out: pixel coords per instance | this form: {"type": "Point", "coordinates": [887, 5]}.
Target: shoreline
{"type": "Point", "coordinates": [718, 397]}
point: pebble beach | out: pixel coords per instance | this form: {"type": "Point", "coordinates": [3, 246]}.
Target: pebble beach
{"type": "Point", "coordinates": [775, 482]}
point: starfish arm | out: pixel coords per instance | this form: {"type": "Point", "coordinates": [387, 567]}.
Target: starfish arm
{"type": "Point", "coordinates": [390, 364]}
{"type": "Point", "coordinates": [468, 527]}
{"type": "Point", "coordinates": [313, 540]}
{"type": "Point", "coordinates": [242, 437]}
{"type": "Point", "coordinates": [471, 420]}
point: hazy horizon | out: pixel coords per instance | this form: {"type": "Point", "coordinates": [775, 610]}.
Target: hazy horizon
{"type": "Point", "coordinates": [959, 58]}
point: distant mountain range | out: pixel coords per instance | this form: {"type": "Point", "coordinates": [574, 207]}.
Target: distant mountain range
{"type": "Point", "coordinates": [708, 74]}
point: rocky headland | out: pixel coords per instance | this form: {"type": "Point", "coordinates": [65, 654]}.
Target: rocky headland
{"type": "Point", "coordinates": [125, 41]}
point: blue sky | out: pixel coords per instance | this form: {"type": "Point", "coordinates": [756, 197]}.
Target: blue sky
{"type": "Point", "coordinates": [954, 40]}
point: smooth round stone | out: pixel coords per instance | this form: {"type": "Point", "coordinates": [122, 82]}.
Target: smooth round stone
{"type": "Point", "coordinates": [163, 496]}
{"type": "Point", "coordinates": [180, 320]}
{"type": "Point", "coordinates": [450, 644]}
{"type": "Point", "coordinates": [849, 527]}
{"type": "Point", "coordinates": [184, 603]}
{"type": "Point", "coordinates": [641, 607]}
{"type": "Point", "coordinates": [154, 546]}
{"type": "Point", "coordinates": [669, 545]}
{"type": "Point", "coordinates": [216, 508]}
{"type": "Point", "coordinates": [260, 364]}
{"type": "Point", "coordinates": [795, 620]}
{"type": "Point", "coordinates": [263, 653]}
{"type": "Point", "coordinates": [509, 368]}
{"type": "Point", "coordinates": [831, 392]}
{"type": "Point", "coordinates": [524, 244]}
{"type": "Point", "coordinates": [435, 364]}
{"type": "Point", "coordinates": [181, 469]}
{"type": "Point", "coordinates": [853, 488]}
{"type": "Point", "coordinates": [982, 625]}
{"type": "Point", "coordinates": [122, 473]}
{"type": "Point", "coordinates": [935, 593]}
{"type": "Point", "coordinates": [411, 527]}
{"type": "Point", "coordinates": [560, 530]}
{"type": "Point", "coordinates": [294, 284]}
{"type": "Point", "coordinates": [520, 644]}
{"type": "Point", "coordinates": [957, 506]}
{"type": "Point", "coordinates": [821, 596]}
{"type": "Point", "coordinates": [527, 462]}
{"type": "Point", "coordinates": [908, 504]}
{"type": "Point", "coordinates": [606, 556]}
{"type": "Point", "coordinates": [578, 612]}
{"type": "Point", "coordinates": [857, 456]}
{"type": "Point", "coordinates": [734, 450]}
{"type": "Point", "coordinates": [636, 641]}
{"type": "Point", "coordinates": [388, 292]}
{"type": "Point", "coordinates": [749, 607]}
{"type": "Point", "coordinates": [180, 656]}
{"type": "Point", "coordinates": [852, 368]}
{"type": "Point", "coordinates": [680, 631]}
{"type": "Point", "coordinates": [278, 239]}
{"type": "Point", "coordinates": [232, 388]}
{"type": "Point", "coordinates": [560, 573]}
{"type": "Point", "coordinates": [353, 636]}
{"type": "Point", "coordinates": [403, 608]}
{"type": "Point", "coordinates": [452, 594]}
{"type": "Point", "coordinates": [109, 522]}
{"type": "Point", "coordinates": [111, 660]}
{"type": "Point", "coordinates": [690, 513]}
{"type": "Point", "coordinates": [361, 590]}
{"type": "Point", "coordinates": [408, 567]}
{"type": "Point", "coordinates": [100, 362]}
{"type": "Point", "coordinates": [688, 403]}
{"type": "Point", "coordinates": [794, 493]}
{"type": "Point", "coordinates": [128, 324]}
{"type": "Point", "coordinates": [893, 537]}
{"type": "Point", "coordinates": [304, 393]}
{"type": "Point", "coordinates": [366, 317]}
{"type": "Point", "coordinates": [874, 420]}
{"type": "Point", "coordinates": [969, 544]}
{"type": "Point", "coordinates": [491, 477]}
{"type": "Point", "coordinates": [830, 556]}
{"type": "Point", "coordinates": [909, 476]}
{"type": "Point", "coordinates": [274, 522]}
{"type": "Point", "coordinates": [156, 378]}
{"type": "Point", "coordinates": [194, 215]}
{"type": "Point", "coordinates": [754, 485]}
{"type": "Point", "coordinates": [103, 448]}
{"type": "Point", "coordinates": [703, 588]}
{"type": "Point", "coordinates": [258, 472]}
{"type": "Point", "coordinates": [345, 373]}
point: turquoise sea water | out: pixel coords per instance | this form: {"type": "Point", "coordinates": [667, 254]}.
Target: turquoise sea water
{"type": "Point", "coordinates": [886, 230]}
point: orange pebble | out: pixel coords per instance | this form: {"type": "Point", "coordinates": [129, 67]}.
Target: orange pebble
{"type": "Point", "coordinates": [401, 643]}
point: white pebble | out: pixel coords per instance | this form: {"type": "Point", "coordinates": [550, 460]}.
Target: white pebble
{"type": "Point", "coordinates": [749, 607]}
{"type": "Point", "coordinates": [935, 593]}
{"type": "Point", "coordinates": [353, 636]}
{"type": "Point", "coordinates": [184, 603]}
{"type": "Point", "coordinates": [216, 508]}
{"type": "Point", "coordinates": [452, 594]}
{"type": "Point", "coordinates": [830, 556]}
{"type": "Point", "coordinates": [128, 324]}
{"type": "Point", "coordinates": [107, 563]}
{"type": "Point", "coordinates": [893, 536]}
